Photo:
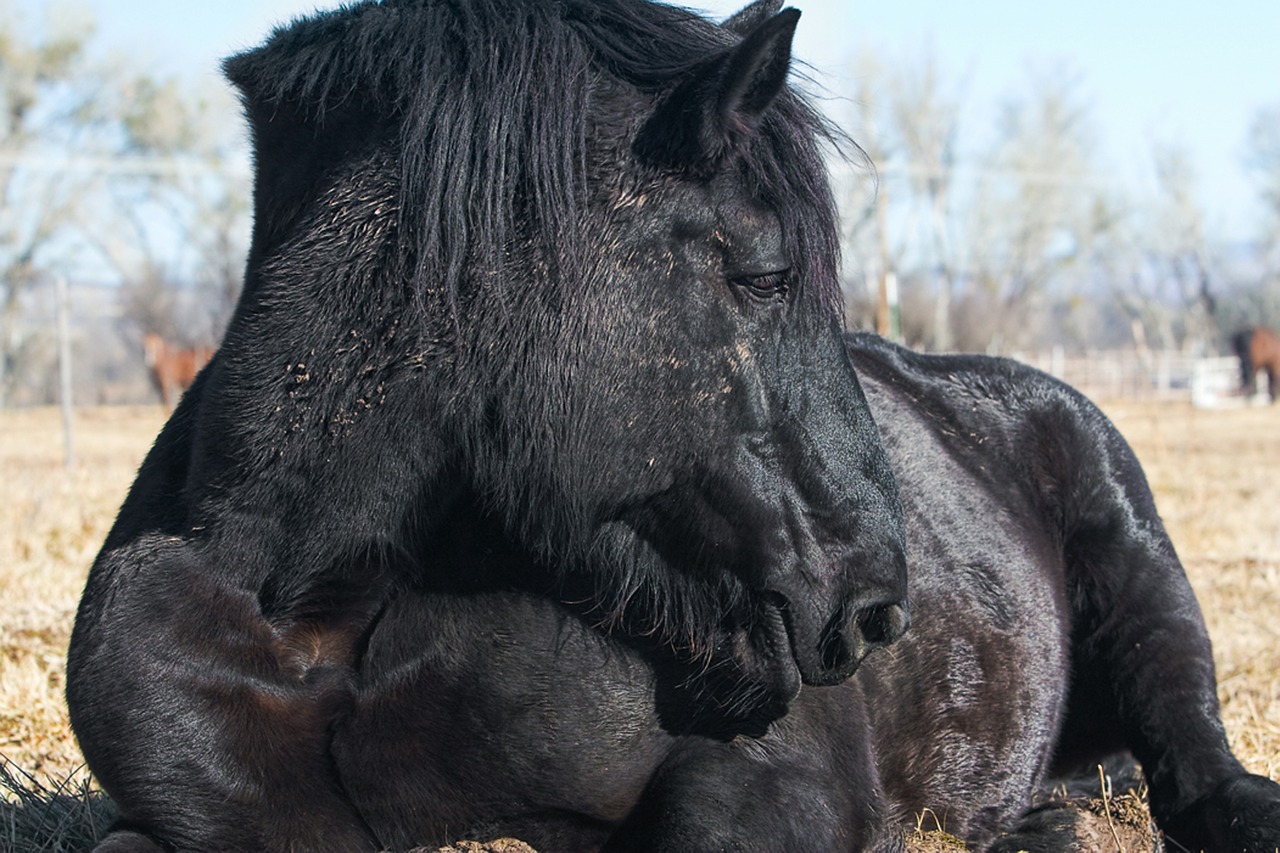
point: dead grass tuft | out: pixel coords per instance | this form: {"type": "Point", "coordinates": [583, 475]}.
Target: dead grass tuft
{"type": "Point", "coordinates": [42, 816]}
{"type": "Point", "coordinates": [930, 837]}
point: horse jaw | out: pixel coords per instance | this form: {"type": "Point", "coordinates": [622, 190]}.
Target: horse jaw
{"type": "Point", "coordinates": [723, 655]}
{"type": "Point", "coordinates": [765, 650]}
{"type": "Point", "coordinates": [745, 684]}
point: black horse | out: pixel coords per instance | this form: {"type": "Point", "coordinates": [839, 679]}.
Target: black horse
{"type": "Point", "coordinates": [533, 479]}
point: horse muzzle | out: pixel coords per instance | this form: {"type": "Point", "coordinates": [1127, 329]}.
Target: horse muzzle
{"type": "Point", "coordinates": [830, 652]}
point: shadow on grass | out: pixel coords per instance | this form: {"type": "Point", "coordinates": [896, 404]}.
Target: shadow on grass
{"type": "Point", "coordinates": [50, 816]}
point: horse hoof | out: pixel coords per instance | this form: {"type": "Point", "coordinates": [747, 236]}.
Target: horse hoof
{"type": "Point", "coordinates": [1241, 814]}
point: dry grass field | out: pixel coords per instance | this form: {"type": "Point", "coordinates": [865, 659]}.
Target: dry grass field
{"type": "Point", "coordinates": [1216, 476]}
{"type": "Point", "coordinates": [52, 522]}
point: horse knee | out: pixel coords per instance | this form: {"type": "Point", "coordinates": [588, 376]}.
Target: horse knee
{"type": "Point", "coordinates": [128, 841]}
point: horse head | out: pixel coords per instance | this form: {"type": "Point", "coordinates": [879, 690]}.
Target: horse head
{"type": "Point", "coordinates": [696, 441]}
{"type": "Point", "coordinates": [607, 261]}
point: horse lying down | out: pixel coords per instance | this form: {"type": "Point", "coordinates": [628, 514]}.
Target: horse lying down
{"type": "Point", "coordinates": [534, 491]}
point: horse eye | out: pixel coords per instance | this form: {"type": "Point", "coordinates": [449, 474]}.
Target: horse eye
{"type": "Point", "coordinates": [768, 287]}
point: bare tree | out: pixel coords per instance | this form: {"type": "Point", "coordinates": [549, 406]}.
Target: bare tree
{"type": "Point", "coordinates": [863, 199]}
{"type": "Point", "coordinates": [925, 120]}
{"type": "Point", "coordinates": [47, 104]}
{"type": "Point", "coordinates": [102, 167]}
{"type": "Point", "coordinates": [1180, 249]}
{"type": "Point", "coordinates": [907, 128]}
{"type": "Point", "coordinates": [1029, 244]}
{"type": "Point", "coordinates": [1155, 264]}
{"type": "Point", "coordinates": [1263, 161]}
{"type": "Point", "coordinates": [180, 214]}
{"type": "Point", "coordinates": [1034, 217]}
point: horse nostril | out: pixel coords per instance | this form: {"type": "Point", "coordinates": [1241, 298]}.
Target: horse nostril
{"type": "Point", "coordinates": [857, 627]}
{"type": "Point", "coordinates": [881, 624]}
{"type": "Point", "coordinates": [846, 641]}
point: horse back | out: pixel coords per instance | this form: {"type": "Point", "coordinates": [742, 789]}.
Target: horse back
{"type": "Point", "coordinates": [1027, 514]}
{"type": "Point", "coordinates": [1032, 442]}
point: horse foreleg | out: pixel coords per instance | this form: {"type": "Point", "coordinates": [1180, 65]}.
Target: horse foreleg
{"type": "Point", "coordinates": [1143, 674]}
{"type": "Point", "coordinates": [201, 730]}
{"type": "Point", "coordinates": [797, 788]}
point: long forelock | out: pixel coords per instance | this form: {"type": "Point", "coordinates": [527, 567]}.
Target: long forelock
{"type": "Point", "coordinates": [493, 99]}
{"type": "Point", "coordinates": [787, 166]}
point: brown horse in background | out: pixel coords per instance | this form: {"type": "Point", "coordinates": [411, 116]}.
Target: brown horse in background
{"type": "Point", "coordinates": [173, 368]}
{"type": "Point", "coordinates": [1258, 349]}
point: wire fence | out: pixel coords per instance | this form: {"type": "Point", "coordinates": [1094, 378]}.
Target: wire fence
{"type": "Point", "coordinates": [1211, 382]}
{"type": "Point", "coordinates": [104, 356]}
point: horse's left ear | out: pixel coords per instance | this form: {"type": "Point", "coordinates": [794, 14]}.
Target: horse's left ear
{"type": "Point", "coordinates": [721, 103]}
{"type": "Point", "coordinates": [751, 16]}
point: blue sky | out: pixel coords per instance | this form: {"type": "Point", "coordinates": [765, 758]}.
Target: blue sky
{"type": "Point", "coordinates": [1179, 72]}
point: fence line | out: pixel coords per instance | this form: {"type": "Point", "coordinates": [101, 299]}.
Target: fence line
{"type": "Point", "coordinates": [1203, 381]}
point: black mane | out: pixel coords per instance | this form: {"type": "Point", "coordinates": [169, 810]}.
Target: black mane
{"type": "Point", "coordinates": [492, 100]}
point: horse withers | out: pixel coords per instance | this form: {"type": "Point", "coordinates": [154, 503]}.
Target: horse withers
{"type": "Point", "coordinates": [533, 491]}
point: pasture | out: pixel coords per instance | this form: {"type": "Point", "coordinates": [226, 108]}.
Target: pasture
{"type": "Point", "coordinates": [1215, 474]}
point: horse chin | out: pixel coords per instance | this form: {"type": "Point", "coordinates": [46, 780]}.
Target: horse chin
{"type": "Point", "coordinates": [763, 656]}
{"type": "Point", "coordinates": [742, 688]}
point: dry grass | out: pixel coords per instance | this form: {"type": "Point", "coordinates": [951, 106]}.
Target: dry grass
{"type": "Point", "coordinates": [1215, 474]}
{"type": "Point", "coordinates": [52, 522]}
{"type": "Point", "coordinates": [1216, 478]}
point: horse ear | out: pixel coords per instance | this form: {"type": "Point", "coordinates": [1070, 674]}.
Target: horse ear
{"type": "Point", "coordinates": [749, 17]}
{"type": "Point", "coordinates": [722, 102]}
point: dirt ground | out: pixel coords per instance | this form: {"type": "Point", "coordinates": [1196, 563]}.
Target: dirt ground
{"type": "Point", "coordinates": [1215, 475]}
